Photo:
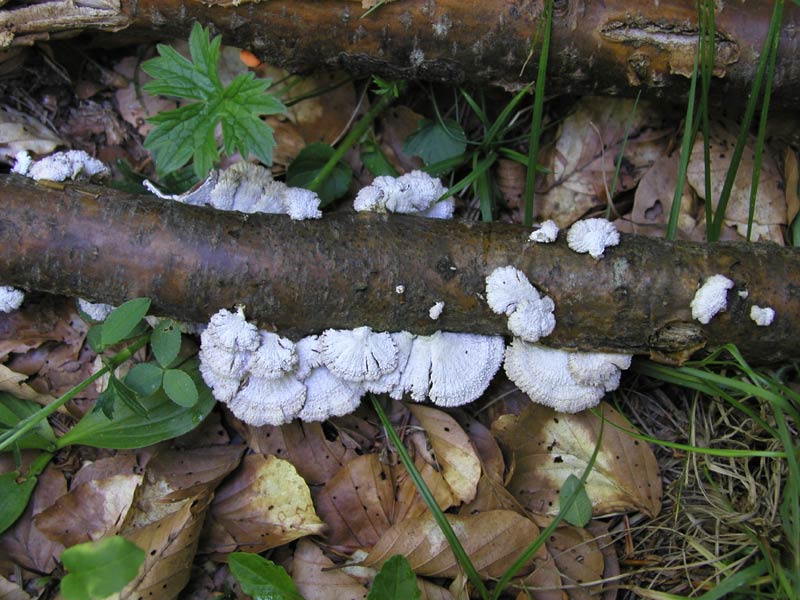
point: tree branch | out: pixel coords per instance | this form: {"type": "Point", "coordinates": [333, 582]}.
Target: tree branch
{"type": "Point", "coordinates": [343, 270]}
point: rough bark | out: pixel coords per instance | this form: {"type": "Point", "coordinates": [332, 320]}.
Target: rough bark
{"type": "Point", "coordinates": [611, 47]}
{"type": "Point", "coordinates": [343, 270]}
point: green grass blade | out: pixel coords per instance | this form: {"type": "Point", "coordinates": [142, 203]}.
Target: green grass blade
{"type": "Point", "coordinates": [475, 107]}
{"type": "Point", "coordinates": [478, 170]}
{"type": "Point", "coordinates": [503, 117]}
{"type": "Point", "coordinates": [741, 140]}
{"type": "Point", "coordinates": [452, 539]}
{"type": "Point", "coordinates": [536, 119]}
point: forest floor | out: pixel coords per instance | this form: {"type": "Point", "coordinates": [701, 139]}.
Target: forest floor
{"type": "Point", "coordinates": [693, 504]}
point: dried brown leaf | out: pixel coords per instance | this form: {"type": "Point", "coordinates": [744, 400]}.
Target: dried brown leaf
{"type": "Point", "coordinates": [265, 504]}
{"type": "Point", "coordinates": [452, 451]}
{"type": "Point", "coordinates": [23, 543]}
{"type": "Point", "coordinates": [316, 577]}
{"type": "Point", "coordinates": [543, 583]}
{"type": "Point", "coordinates": [792, 174]}
{"type": "Point", "coordinates": [549, 446]}
{"type": "Point", "coordinates": [511, 181]}
{"type": "Point", "coordinates": [430, 591]}
{"type": "Point", "coordinates": [305, 445]}
{"type": "Point", "coordinates": [170, 545]}
{"type": "Point", "coordinates": [90, 511]}
{"type": "Point", "coordinates": [493, 540]}
{"type": "Point", "coordinates": [583, 159]}
{"type": "Point", "coordinates": [19, 132]}
{"type": "Point", "coordinates": [408, 501]}
{"type": "Point", "coordinates": [399, 122]}
{"type": "Point", "coordinates": [770, 209]}
{"type": "Point", "coordinates": [579, 560]}
{"type": "Point", "coordinates": [14, 384]}
{"type": "Point", "coordinates": [11, 591]}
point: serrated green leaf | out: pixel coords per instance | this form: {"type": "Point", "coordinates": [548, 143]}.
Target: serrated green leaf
{"type": "Point", "coordinates": [123, 320]}
{"type": "Point", "coordinates": [375, 160]}
{"type": "Point", "coordinates": [187, 133]}
{"type": "Point", "coordinates": [128, 430]}
{"type": "Point", "coordinates": [145, 379]}
{"type": "Point", "coordinates": [309, 163]}
{"type": "Point", "coordinates": [435, 141]}
{"type": "Point", "coordinates": [180, 388]}
{"type": "Point", "coordinates": [580, 513]}
{"type": "Point", "coordinates": [99, 569]}
{"type": "Point", "coordinates": [166, 342]}
{"type": "Point", "coordinates": [16, 490]}
{"type": "Point", "coordinates": [13, 410]}
{"type": "Point", "coordinates": [261, 578]}
{"type": "Point", "coordinates": [395, 581]}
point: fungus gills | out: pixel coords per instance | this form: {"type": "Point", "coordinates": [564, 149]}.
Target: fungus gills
{"type": "Point", "coordinates": [413, 193]}
{"type": "Point", "coordinates": [762, 316]}
{"type": "Point", "coordinates": [10, 298]}
{"type": "Point", "coordinates": [711, 298]}
{"type": "Point", "coordinates": [546, 234]}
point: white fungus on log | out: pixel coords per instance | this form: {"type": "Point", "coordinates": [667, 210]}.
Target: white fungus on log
{"type": "Point", "coordinates": [592, 236]}
{"type": "Point", "coordinates": [547, 233]}
{"type": "Point", "coordinates": [61, 166]}
{"type": "Point", "coordinates": [436, 310]}
{"type": "Point", "coordinates": [530, 316]}
{"type": "Point", "coordinates": [568, 382]}
{"type": "Point", "coordinates": [359, 354]}
{"type": "Point", "coordinates": [10, 298]}
{"type": "Point", "coordinates": [762, 316]}
{"type": "Point", "coordinates": [711, 298]}
{"type": "Point", "coordinates": [413, 193]}
{"type": "Point", "coordinates": [97, 311]}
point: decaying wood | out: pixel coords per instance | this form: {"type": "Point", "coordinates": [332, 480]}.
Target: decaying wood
{"type": "Point", "coordinates": [343, 271]}
{"type": "Point", "coordinates": [612, 47]}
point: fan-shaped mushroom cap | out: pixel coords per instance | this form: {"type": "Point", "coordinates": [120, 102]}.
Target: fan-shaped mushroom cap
{"type": "Point", "coordinates": [269, 401]}
{"type": "Point", "coordinates": [222, 388]}
{"type": "Point", "coordinates": [247, 188]}
{"type": "Point", "coordinates": [225, 363]}
{"type": "Point", "coordinates": [506, 287]}
{"type": "Point", "coordinates": [544, 374]}
{"type": "Point", "coordinates": [546, 234]}
{"type": "Point", "coordinates": [592, 236]}
{"type": "Point", "coordinates": [10, 298]}
{"type": "Point", "coordinates": [711, 298]}
{"type": "Point", "coordinates": [61, 166]}
{"type": "Point", "coordinates": [301, 204]}
{"type": "Point", "coordinates": [533, 319]}
{"type": "Point", "coordinates": [416, 376]}
{"type": "Point", "coordinates": [359, 354]}
{"type": "Point", "coordinates": [762, 316]}
{"type": "Point", "coordinates": [462, 366]}
{"type": "Point", "coordinates": [390, 382]}
{"type": "Point", "coordinates": [274, 357]}
{"type": "Point", "coordinates": [231, 331]}
{"type": "Point", "coordinates": [96, 310]}
{"type": "Point", "coordinates": [329, 396]}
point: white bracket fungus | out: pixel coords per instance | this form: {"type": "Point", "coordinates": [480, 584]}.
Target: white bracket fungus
{"type": "Point", "coordinates": [413, 193]}
{"type": "Point", "coordinates": [546, 234]}
{"type": "Point", "coordinates": [97, 311]}
{"type": "Point", "coordinates": [60, 166]}
{"type": "Point", "coordinates": [530, 316]}
{"type": "Point", "coordinates": [249, 188]}
{"type": "Point", "coordinates": [711, 298]}
{"type": "Point", "coordinates": [592, 236]}
{"type": "Point", "coordinates": [565, 381]}
{"type": "Point", "coordinates": [358, 354]}
{"type": "Point", "coordinates": [10, 298]}
{"type": "Point", "coordinates": [436, 310]}
{"type": "Point", "coordinates": [762, 316]}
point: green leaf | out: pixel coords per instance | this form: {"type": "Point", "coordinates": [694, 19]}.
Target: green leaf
{"type": "Point", "coordinates": [13, 410]}
{"type": "Point", "coordinates": [144, 378]}
{"type": "Point", "coordinates": [128, 430]}
{"type": "Point", "coordinates": [395, 581]}
{"type": "Point", "coordinates": [100, 569]}
{"type": "Point", "coordinates": [180, 388]}
{"type": "Point", "coordinates": [123, 320]}
{"type": "Point", "coordinates": [188, 132]}
{"type": "Point", "coordinates": [261, 578]}
{"type": "Point", "coordinates": [435, 141]}
{"type": "Point", "coordinates": [580, 513]}
{"type": "Point", "coordinates": [375, 160]}
{"type": "Point", "coordinates": [309, 162]}
{"type": "Point", "coordinates": [93, 338]}
{"type": "Point", "coordinates": [117, 392]}
{"type": "Point", "coordinates": [16, 490]}
{"type": "Point", "coordinates": [166, 342]}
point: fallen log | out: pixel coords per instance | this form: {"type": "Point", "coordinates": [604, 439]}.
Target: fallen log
{"type": "Point", "coordinates": [610, 47]}
{"type": "Point", "coordinates": [344, 270]}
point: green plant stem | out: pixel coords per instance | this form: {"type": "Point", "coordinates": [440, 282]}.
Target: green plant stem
{"type": "Point", "coordinates": [545, 533]}
{"type": "Point", "coordinates": [351, 139]}
{"type": "Point", "coordinates": [730, 177]}
{"type": "Point", "coordinates": [430, 501]}
{"type": "Point", "coordinates": [30, 422]}
{"type": "Point", "coordinates": [536, 120]}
